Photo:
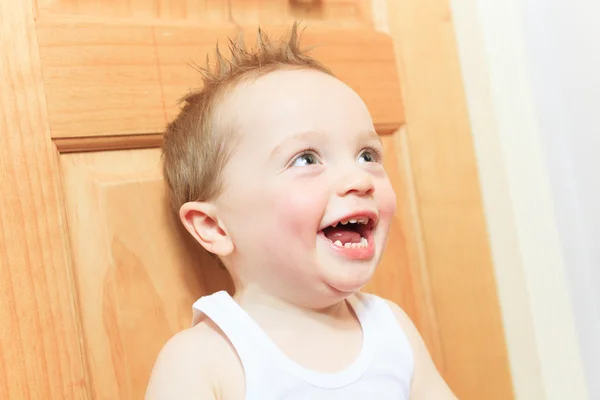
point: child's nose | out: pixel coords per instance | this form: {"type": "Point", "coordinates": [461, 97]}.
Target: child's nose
{"type": "Point", "coordinates": [357, 183]}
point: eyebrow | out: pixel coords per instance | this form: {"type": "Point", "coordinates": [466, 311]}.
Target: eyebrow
{"type": "Point", "coordinates": [308, 136]}
{"type": "Point", "coordinates": [374, 135]}
{"type": "Point", "coordinates": [305, 136]}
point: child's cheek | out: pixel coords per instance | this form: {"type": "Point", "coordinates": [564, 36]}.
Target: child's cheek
{"type": "Point", "coordinates": [386, 201]}
{"type": "Point", "coordinates": [300, 213]}
{"type": "Point", "coordinates": [288, 234]}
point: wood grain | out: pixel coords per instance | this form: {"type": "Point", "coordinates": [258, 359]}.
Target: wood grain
{"type": "Point", "coordinates": [332, 13]}
{"type": "Point", "coordinates": [40, 354]}
{"type": "Point", "coordinates": [449, 203]}
{"type": "Point", "coordinates": [177, 48]}
{"type": "Point", "coordinates": [100, 80]}
{"type": "Point", "coordinates": [137, 272]}
{"type": "Point", "coordinates": [134, 11]}
{"type": "Point", "coordinates": [126, 80]}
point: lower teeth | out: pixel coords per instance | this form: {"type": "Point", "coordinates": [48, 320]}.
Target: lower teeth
{"type": "Point", "coordinates": [362, 244]}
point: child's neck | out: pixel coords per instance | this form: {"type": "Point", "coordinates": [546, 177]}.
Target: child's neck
{"type": "Point", "coordinates": [325, 340]}
{"type": "Point", "coordinates": [272, 310]}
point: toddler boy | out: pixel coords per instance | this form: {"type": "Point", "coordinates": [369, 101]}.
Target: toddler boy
{"type": "Point", "coordinates": [275, 168]}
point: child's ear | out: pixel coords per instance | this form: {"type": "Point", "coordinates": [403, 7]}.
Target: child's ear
{"type": "Point", "coordinates": [202, 223]}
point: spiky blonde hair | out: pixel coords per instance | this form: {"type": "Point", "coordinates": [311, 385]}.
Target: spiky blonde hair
{"type": "Point", "coordinates": [196, 148]}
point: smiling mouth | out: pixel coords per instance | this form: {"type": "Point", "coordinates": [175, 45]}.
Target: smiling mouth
{"type": "Point", "coordinates": [353, 233]}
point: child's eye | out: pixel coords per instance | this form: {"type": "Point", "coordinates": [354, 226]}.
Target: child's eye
{"type": "Point", "coordinates": [305, 159]}
{"type": "Point", "coordinates": [369, 155]}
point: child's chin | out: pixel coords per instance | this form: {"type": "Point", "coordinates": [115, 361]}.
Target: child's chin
{"type": "Point", "coordinates": [350, 278]}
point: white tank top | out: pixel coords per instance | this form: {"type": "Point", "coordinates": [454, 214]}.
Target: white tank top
{"type": "Point", "coordinates": [382, 371]}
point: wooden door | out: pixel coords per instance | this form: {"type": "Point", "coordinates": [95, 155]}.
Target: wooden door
{"type": "Point", "coordinates": [95, 275]}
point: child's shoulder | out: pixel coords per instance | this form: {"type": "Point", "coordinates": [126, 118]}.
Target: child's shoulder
{"type": "Point", "coordinates": [427, 382]}
{"type": "Point", "coordinates": [192, 363]}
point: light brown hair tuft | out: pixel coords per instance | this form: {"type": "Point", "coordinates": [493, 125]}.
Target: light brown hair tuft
{"type": "Point", "coordinates": [196, 148]}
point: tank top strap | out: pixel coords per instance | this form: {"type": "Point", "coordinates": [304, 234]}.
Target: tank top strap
{"type": "Point", "coordinates": [379, 313]}
{"type": "Point", "coordinates": [390, 336]}
{"type": "Point", "coordinates": [227, 315]}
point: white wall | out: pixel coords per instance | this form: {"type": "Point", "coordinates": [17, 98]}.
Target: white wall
{"type": "Point", "coordinates": [530, 69]}
{"type": "Point", "coordinates": [563, 49]}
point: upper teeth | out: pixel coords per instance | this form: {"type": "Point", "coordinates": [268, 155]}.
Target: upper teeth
{"type": "Point", "coordinates": [363, 221]}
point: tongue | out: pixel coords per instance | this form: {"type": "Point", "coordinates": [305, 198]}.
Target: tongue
{"type": "Point", "coordinates": [341, 234]}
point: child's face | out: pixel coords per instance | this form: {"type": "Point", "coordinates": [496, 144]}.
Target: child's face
{"type": "Point", "coordinates": [307, 157]}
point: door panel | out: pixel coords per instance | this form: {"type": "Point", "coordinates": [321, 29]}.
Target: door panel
{"type": "Point", "coordinates": [100, 81]}
{"type": "Point", "coordinates": [136, 271]}
{"type": "Point", "coordinates": [127, 79]}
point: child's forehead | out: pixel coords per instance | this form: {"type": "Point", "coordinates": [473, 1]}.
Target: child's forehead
{"type": "Point", "coordinates": [285, 102]}
{"type": "Point", "coordinates": [287, 86]}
